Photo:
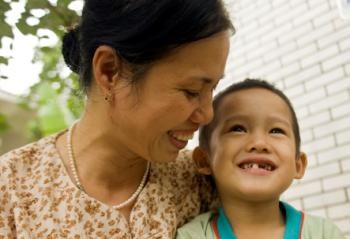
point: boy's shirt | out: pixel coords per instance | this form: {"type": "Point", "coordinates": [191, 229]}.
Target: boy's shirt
{"type": "Point", "coordinates": [298, 226]}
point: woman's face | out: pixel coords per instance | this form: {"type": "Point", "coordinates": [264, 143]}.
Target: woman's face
{"type": "Point", "coordinates": [156, 118]}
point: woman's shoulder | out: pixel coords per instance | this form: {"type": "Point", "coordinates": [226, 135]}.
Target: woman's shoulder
{"type": "Point", "coordinates": [184, 157]}
{"type": "Point", "coordinates": [184, 160]}
{"type": "Point", "coordinates": [190, 191]}
{"type": "Point", "coordinates": [28, 157]}
{"type": "Point", "coordinates": [182, 164]}
{"type": "Point", "coordinates": [318, 227]}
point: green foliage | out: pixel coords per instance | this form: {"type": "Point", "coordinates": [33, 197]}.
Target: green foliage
{"type": "Point", "coordinates": [50, 114]}
{"type": "Point", "coordinates": [6, 30]}
{"type": "Point", "coordinates": [4, 125]}
{"type": "Point", "coordinates": [56, 97]}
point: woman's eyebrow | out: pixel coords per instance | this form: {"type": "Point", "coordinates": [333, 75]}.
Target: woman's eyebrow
{"type": "Point", "coordinates": [209, 81]}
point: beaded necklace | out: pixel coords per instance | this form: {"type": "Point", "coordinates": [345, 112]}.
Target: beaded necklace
{"type": "Point", "coordinates": [73, 168]}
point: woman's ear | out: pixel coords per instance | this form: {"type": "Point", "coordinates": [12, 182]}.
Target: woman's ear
{"type": "Point", "coordinates": [201, 160]}
{"type": "Point", "coordinates": [105, 66]}
{"type": "Point", "coordinates": [300, 165]}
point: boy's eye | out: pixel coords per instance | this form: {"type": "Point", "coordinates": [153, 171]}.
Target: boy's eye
{"type": "Point", "coordinates": [237, 128]}
{"type": "Point", "coordinates": [277, 131]}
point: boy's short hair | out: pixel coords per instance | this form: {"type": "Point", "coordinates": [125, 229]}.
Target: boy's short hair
{"type": "Point", "coordinates": [206, 131]}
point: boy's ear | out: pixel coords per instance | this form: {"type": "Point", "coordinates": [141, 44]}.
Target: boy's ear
{"type": "Point", "coordinates": [301, 164]}
{"type": "Point", "coordinates": [201, 160]}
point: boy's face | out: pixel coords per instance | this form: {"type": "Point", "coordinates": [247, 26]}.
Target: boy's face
{"type": "Point", "coordinates": [252, 148]}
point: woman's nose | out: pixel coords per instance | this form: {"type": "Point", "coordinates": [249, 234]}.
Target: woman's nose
{"type": "Point", "coordinates": [203, 114]}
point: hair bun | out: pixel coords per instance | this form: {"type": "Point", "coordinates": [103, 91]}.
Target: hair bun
{"type": "Point", "coordinates": [71, 49]}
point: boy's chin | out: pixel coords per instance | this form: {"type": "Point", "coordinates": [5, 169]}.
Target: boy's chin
{"type": "Point", "coordinates": [257, 197]}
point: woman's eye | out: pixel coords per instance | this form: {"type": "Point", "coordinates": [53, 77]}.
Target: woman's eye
{"type": "Point", "coordinates": [277, 131]}
{"type": "Point", "coordinates": [237, 128]}
{"type": "Point", "coordinates": [191, 93]}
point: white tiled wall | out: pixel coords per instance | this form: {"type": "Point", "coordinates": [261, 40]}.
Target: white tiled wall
{"type": "Point", "coordinates": [304, 48]}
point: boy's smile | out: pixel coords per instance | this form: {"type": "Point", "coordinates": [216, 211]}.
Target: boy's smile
{"type": "Point", "coordinates": [253, 151]}
{"type": "Point", "coordinates": [257, 165]}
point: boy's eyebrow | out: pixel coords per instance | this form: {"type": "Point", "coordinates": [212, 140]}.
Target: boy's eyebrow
{"type": "Point", "coordinates": [227, 120]}
{"type": "Point", "coordinates": [240, 116]}
{"type": "Point", "coordinates": [280, 119]}
{"type": "Point", "coordinates": [235, 117]}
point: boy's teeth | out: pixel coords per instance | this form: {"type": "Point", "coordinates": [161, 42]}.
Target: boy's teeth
{"type": "Point", "coordinates": [256, 166]}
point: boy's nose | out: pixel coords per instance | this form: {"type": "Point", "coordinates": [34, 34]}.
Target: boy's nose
{"type": "Point", "coordinates": [258, 144]}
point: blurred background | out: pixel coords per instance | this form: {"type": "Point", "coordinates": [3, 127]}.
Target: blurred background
{"type": "Point", "coordinates": [38, 93]}
{"type": "Point", "coordinates": [302, 46]}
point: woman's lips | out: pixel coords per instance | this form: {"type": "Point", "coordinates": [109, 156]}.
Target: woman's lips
{"type": "Point", "coordinates": [180, 138]}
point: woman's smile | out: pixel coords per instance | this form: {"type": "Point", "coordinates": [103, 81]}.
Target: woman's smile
{"type": "Point", "coordinates": [180, 138]}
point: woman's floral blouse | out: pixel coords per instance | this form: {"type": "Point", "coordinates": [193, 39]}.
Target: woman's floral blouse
{"type": "Point", "coordinates": [39, 200]}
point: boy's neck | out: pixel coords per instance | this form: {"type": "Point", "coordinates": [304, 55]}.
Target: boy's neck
{"type": "Point", "coordinates": [256, 220]}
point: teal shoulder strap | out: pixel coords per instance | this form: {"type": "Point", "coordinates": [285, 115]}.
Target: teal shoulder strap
{"type": "Point", "coordinates": [294, 221]}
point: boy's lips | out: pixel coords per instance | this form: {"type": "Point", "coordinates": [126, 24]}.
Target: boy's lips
{"type": "Point", "coordinates": [257, 165]}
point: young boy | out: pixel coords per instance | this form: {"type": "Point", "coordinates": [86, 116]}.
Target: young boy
{"type": "Point", "coordinates": [252, 150]}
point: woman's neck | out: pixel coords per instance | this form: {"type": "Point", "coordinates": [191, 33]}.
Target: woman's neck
{"type": "Point", "coordinates": [106, 171]}
{"type": "Point", "coordinates": [101, 158]}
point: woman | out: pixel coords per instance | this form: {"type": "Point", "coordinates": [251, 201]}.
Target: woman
{"type": "Point", "coordinates": [148, 69]}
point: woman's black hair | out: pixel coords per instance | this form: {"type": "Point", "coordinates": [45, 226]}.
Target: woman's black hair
{"type": "Point", "coordinates": [141, 31]}
{"type": "Point", "coordinates": [206, 131]}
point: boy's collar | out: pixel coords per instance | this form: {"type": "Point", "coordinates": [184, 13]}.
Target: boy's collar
{"type": "Point", "coordinates": [294, 223]}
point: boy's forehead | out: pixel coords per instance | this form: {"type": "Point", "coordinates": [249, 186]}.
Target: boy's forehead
{"type": "Point", "coordinates": [229, 103]}
{"type": "Point", "coordinates": [251, 100]}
